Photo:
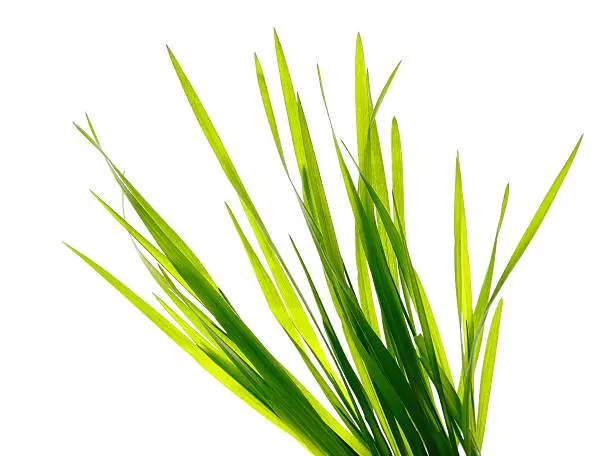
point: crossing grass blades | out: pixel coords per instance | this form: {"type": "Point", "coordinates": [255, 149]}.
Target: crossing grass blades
{"type": "Point", "coordinates": [384, 369]}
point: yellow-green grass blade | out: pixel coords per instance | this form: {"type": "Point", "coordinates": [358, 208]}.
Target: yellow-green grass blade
{"type": "Point", "coordinates": [211, 135]}
{"type": "Point", "coordinates": [536, 221]}
{"type": "Point", "coordinates": [291, 105]}
{"type": "Point", "coordinates": [397, 172]}
{"type": "Point", "coordinates": [485, 290]}
{"type": "Point", "coordinates": [463, 285]}
{"type": "Point", "coordinates": [314, 184]}
{"type": "Point", "coordinates": [383, 93]}
{"type": "Point", "coordinates": [265, 98]}
{"type": "Point", "coordinates": [378, 178]}
{"type": "Point", "coordinates": [434, 332]}
{"type": "Point", "coordinates": [288, 292]}
{"type": "Point", "coordinates": [463, 289]}
{"type": "Point", "coordinates": [273, 298]}
{"type": "Point", "coordinates": [292, 300]}
{"type": "Point", "coordinates": [91, 128]}
{"type": "Point", "coordinates": [486, 378]}
{"type": "Point", "coordinates": [162, 323]}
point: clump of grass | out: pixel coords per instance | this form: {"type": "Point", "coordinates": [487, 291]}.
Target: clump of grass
{"type": "Point", "coordinates": [384, 369]}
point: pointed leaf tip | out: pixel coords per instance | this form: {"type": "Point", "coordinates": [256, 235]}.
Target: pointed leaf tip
{"type": "Point", "coordinates": [170, 53]}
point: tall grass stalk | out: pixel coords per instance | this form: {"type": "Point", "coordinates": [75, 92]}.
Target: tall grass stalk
{"type": "Point", "coordinates": [383, 370]}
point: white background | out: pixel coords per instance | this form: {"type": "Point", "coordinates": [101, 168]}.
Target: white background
{"type": "Point", "coordinates": [511, 86]}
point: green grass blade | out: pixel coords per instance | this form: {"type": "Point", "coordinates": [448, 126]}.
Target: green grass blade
{"type": "Point", "coordinates": [536, 221]}
{"type": "Point", "coordinates": [487, 373]}
{"type": "Point", "coordinates": [291, 104]}
{"type": "Point", "coordinates": [463, 283]}
{"type": "Point", "coordinates": [314, 185]}
{"type": "Point", "coordinates": [463, 288]}
{"type": "Point", "coordinates": [162, 323]}
{"type": "Point", "coordinates": [265, 98]}
{"type": "Point", "coordinates": [485, 290]}
{"type": "Point", "coordinates": [397, 171]}
{"type": "Point", "coordinates": [273, 298]}
{"type": "Point", "coordinates": [383, 93]}
{"type": "Point", "coordinates": [211, 135]}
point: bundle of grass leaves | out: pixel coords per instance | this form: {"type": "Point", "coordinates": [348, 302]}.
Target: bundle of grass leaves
{"type": "Point", "coordinates": [383, 369]}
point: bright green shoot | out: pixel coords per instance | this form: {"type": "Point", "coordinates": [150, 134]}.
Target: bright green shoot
{"type": "Point", "coordinates": [383, 371]}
